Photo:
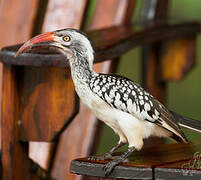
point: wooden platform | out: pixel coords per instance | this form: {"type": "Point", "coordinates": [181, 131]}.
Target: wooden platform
{"type": "Point", "coordinates": [169, 161]}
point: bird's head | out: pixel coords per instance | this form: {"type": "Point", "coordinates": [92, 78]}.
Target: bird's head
{"type": "Point", "coordinates": [70, 42]}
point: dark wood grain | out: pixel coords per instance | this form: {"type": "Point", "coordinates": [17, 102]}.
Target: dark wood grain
{"type": "Point", "coordinates": [110, 42]}
{"type": "Point", "coordinates": [143, 162]}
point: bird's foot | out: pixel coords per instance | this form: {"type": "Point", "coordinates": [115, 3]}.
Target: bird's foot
{"type": "Point", "coordinates": [105, 156]}
{"type": "Point", "coordinates": [108, 168]}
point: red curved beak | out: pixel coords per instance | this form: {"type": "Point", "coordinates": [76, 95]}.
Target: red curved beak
{"type": "Point", "coordinates": [37, 40]}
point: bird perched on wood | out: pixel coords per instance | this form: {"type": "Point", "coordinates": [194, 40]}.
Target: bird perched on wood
{"type": "Point", "coordinates": [123, 105]}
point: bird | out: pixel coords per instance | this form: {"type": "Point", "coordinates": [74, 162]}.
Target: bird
{"type": "Point", "coordinates": [132, 112]}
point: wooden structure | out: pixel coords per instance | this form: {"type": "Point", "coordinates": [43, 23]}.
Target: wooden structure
{"type": "Point", "coordinates": [38, 99]}
{"type": "Point", "coordinates": [169, 161]}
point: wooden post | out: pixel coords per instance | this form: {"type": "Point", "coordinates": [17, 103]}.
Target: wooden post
{"type": "Point", "coordinates": [15, 161]}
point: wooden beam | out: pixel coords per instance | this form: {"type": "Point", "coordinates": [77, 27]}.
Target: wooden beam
{"type": "Point", "coordinates": [110, 43]}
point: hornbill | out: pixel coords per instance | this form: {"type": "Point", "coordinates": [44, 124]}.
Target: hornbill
{"type": "Point", "coordinates": [122, 104]}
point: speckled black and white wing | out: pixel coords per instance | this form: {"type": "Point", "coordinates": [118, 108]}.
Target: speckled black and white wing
{"type": "Point", "coordinates": [125, 95]}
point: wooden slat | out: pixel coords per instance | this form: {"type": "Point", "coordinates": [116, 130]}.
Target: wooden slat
{"type": "Point", "coordinates": [119, 11]}
{"type": "Point", "coordinates": [64, 13]}
{"type": "Point", "coordinates": [110, 42]}
{"type": "Point", "coordinates": [17, 20]}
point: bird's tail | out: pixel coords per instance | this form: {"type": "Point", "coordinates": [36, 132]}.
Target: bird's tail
{"type": "Point", "coordinates": [188, 123]}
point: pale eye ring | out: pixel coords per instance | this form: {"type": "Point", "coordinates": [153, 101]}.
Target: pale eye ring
{"type": "Point", "coordinates": [66, 38]}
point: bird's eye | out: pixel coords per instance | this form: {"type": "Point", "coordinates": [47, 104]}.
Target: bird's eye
{"type": "Point", "coordinates": [66, 38]}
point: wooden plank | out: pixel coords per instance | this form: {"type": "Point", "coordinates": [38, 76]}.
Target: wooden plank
{"type": "Point", "coordinates": [47, 102]}
{"type": "Point", "coordinates": [142, 161]}
{"type": "Point", "coordinates": [15, 162]}
{"type": "Point", "coordinates": [81, 167]}
{"type": "Point", "coordinates": [109, 43]}
{"type": "Point", "coordinates": [64, 13]}
{"type": "Point", "coordinates": [107, 11]}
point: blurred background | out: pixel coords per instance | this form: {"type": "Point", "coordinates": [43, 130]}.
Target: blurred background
{"type": "Point", "coordinates": [184, 96]}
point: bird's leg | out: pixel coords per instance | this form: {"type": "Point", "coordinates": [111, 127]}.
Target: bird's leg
{"type": "Point", "coordinates": [108, 155]}
{"type": "Point", "coordinates": [111, 165]}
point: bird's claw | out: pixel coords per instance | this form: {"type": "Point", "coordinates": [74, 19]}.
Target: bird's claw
{"type": "Point", "coordinates": [108, 168]}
